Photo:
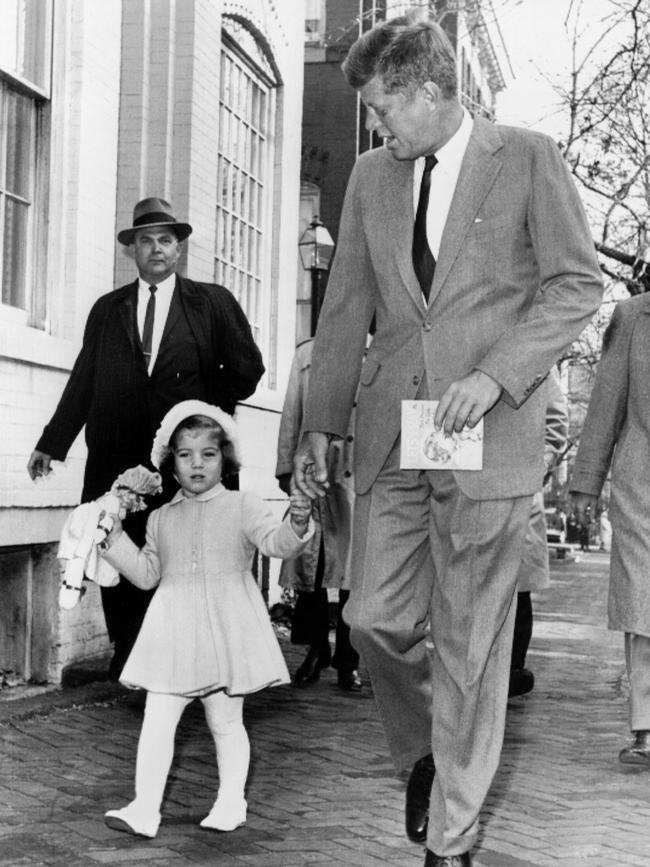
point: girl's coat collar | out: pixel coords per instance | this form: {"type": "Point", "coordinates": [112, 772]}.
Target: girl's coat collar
{"type": "Point", "coordinates": [179, 496]}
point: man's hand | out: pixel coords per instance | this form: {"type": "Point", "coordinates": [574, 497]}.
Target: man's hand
{"type": "Point", "coordinates": [584, 506]}
{"type": "Point", "coordinates": [310, 464]}
{"type": "Point", "coordinates": [466, 401]}
{"type": "Point", "coordinates": [38, 465]}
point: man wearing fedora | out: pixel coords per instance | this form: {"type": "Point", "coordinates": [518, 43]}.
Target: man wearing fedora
{"type": "Point", "coordinates": [146, 346]}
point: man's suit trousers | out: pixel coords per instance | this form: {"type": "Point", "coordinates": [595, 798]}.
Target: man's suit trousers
{"type": "Point", "coordinates": [431, 612]}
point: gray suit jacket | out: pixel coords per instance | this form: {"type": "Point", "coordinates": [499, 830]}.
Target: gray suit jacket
{"type": "Point", "coordinates": [516, 281]}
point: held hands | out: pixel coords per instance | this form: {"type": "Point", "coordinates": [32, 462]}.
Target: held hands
{"type": "Point", "coordinates": [310, 464]}
{"type": "Point", "coordinates": [466, 401]}
{"type": "Point", "coordinates": [300, 512]}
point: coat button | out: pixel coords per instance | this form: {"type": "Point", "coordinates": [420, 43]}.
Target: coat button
{"type": "Point", "coordinates": [416, 380]}
{"type": "Point", "coordinates": [349, 438]}
{"type": "Point", "coordinates": [347, 473]}
{"type": "Point", "coordinates": [427, 326]}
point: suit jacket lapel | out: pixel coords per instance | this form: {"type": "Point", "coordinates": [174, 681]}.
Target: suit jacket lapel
{"type": "Point", "coordinates": [400, 217]}
{"type": "Point", "coordinates": [196, 308]}
{"type": "Point", "coordinates": [174, 314]}
{"type": "Point", "coordinates": [127, 308]}
{"type": "Point", "coordinates": [477, 174]}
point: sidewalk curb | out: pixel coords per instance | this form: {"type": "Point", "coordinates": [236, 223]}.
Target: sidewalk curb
{"type": "Point", "coordinates": [57, 698]}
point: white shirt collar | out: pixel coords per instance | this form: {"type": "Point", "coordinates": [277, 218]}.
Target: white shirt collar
{"type": "Point", "coordinates": [451, 154]}
{"type": "Point", "coordinates": [166, 286]}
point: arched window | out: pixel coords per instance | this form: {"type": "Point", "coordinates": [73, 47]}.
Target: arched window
{"type": "Point", "coordinates": [247, 107]}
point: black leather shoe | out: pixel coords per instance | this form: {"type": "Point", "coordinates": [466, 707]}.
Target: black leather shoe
{"type": "Point", "coordinates": [418, 795]}
{"type": "Point", "coordinates": [349, 681]}
{"type": "Point", "coordinates": [309, 671]}
{"type": "Point", "coordinates": [433, 860]}
{"type": "Point", "coordinates": [521, 681]}
{"type": "Point", "coordinates": [638, 753]}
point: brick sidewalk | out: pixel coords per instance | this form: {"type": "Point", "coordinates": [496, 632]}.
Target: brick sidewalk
{"type": "Point", "coordinates": [322, 789]}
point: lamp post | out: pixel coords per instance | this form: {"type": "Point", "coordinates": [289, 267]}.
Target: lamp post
{"type": "Point", "coordinates": [316, 247]}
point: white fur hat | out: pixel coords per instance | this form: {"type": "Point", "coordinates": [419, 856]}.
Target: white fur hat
{"type": "Point", "coordinates": [179, 413]}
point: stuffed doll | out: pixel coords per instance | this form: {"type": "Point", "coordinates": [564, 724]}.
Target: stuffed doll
{"type": "Point", "coordinates": [88, 526]}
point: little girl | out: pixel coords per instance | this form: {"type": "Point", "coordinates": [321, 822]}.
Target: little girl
{"type": "Point", "coordinates": [207, 633]}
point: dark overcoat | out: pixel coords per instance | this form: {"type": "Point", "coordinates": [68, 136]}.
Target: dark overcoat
{"type": "Point", "coordinates": [110, 392]}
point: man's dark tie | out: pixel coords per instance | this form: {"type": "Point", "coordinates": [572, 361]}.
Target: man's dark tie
{"type": "Point", "coordinates": [423, 261]}
{"type": "Point", "coordinates": [147, 331]}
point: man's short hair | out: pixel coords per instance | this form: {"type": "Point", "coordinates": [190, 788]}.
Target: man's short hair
{"type": "Point", "coordinates": [404, 54]}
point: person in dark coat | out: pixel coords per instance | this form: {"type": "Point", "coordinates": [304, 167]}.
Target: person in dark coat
{"type": "Point", "coordinates": [146, 346]}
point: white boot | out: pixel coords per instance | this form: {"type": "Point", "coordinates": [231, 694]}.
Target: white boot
{"type": "Point", "coordinates": [226, 814]}
{"type": "Point", "coordinates": [133, 819]}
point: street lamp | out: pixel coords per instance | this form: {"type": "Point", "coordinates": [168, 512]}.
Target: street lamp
{"type": "Point", "coordinates": [316, 247]}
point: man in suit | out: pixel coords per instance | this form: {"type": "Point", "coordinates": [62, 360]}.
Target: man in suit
{"type": "Point", "coordinates": [146, 346]}
{"type": "Point", "coordinates": [616, 434]}
{"type": "Point", "coordinates": [479, 270]}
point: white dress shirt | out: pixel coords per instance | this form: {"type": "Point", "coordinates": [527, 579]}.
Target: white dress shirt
{"type": "Point", "coordinates": [164, 294]}
{"type": "Point", "coordinates": [444, 177]}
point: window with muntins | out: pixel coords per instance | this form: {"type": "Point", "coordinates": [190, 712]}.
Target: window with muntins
{"type": "Point", "coordinates": [247, 117]}
{"type": "Point", "coordinates": [25, 39]}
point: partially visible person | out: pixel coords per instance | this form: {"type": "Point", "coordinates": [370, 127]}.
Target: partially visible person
{"type": "Point", "coordinates": [604, 531]}
{"type": "Point", "coordinates": [469, 244]}
{"type": "Point", "coordinates": [616, 435]}
{"type": "Point", "coordinates": [572, 529]}
{"type": "Point", "coordinates": [146, 346]}
{"type": "Point", "coordinates": [584, 528]}
{"type": "Point", "coordinates": [534, 575]}
{"type": "Point", "coordinates": [323, 565]}
{"type": "Point", "coordinates": [207, 633]}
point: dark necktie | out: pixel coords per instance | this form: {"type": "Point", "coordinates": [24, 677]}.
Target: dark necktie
{"type": "Point", "coordinates": [423, 261]}
{"type": "Point", "coordinates": [147, 331]}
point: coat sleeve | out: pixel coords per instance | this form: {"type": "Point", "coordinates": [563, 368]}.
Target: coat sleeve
{"type": "Point", "coordinates": [293, 408]}
{"type": "Point", "coordinates": [240, 367]}
{"type": "Point", "coordinates": [140, 565]}
{"type": "Point", "coordinates": [570, 282]}
{"type": "Point", "coordinates": [607, 407]}
{"type": "Point", "coordinates": [273, 538]}
{"type": "Point", "coordinates": [74, 405]}
{"type": "Point", "coordinates": [557, 419]}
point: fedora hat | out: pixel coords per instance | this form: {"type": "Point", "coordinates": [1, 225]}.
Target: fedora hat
{"type": "Point", "coordinates": [151, 213]}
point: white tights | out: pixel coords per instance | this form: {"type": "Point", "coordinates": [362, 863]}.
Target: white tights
{"type": "Point", "coordinates": [156, 745]}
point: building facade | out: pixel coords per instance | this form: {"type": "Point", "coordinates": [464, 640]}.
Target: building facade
{"type": "Point", "coordinates": [102, 104]}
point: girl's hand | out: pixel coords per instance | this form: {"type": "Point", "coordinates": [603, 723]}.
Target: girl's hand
{"type": "Point", "coordinates": [300, 512]}
{"type": "Point", "coordinates": [111, 525]}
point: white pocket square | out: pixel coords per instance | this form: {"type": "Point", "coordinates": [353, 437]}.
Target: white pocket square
{"type": "Point", "coordinates": [478, 220]}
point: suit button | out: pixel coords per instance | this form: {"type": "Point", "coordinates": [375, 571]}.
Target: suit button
{"type": "Point", "coordinates": [350, 438]}
{"type": "Point", "coordinates": [347, 474]}
{"type": "Point", "coordinates": [427, 326]}
{"type": "Point", "coordinates": [416, 380]}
